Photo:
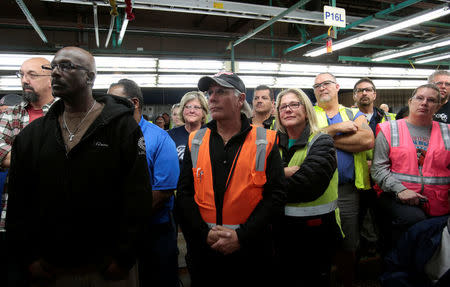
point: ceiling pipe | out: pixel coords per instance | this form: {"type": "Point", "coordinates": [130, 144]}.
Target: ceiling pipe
{"type": "Point", "coordinates": [31, 20]}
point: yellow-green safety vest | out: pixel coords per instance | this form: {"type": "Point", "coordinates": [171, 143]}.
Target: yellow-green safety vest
{"type": "Point", "coordinates": [327, 202]}
{"type": "Point", "coordinates": [362, 180]}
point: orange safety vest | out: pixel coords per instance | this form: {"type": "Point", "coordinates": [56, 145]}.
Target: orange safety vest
{"type": "Point", "coordinates": [433, 181]}
{"type": "Point", "coordinates": [245, 187]}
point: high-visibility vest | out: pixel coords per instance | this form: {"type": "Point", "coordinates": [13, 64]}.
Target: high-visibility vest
{"type": "Point", "coordinates": [433, 181]}
{"type": "Point", "coordinates": [327, 202]}
{"type": "Point", "coordinates": [248, 175]}
{"type": "Point", "coordinates": [362, 180]}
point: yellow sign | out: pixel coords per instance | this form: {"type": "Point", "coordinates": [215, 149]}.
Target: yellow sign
{"type": "Point", "coordinates": [218, 5]}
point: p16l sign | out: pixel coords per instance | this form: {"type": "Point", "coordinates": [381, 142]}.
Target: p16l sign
{"type": "Point", "coordinates": [333, 16]}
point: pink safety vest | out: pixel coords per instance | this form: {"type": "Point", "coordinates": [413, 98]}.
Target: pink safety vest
{"type": "Point", "coordinates": [434, 179]}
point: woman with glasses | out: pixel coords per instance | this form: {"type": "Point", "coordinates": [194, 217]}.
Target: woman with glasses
{"type": "Point", "coordinates": [193, 112]}
{"type": "Point", "coordinates": [306, 236]}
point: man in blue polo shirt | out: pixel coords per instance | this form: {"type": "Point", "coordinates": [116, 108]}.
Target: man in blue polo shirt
{"type": "Point", "coordinates": [158, 263]}
{"type": "Point", "coordinates": [352, 137]}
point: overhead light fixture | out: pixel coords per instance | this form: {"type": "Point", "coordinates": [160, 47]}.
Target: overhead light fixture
{"type": "Point", "coordinates": [125, 64]}
{"type": "Point", "coordinates": [415, 49]}
{"type": "Point", "coordinates": [258, 67]}
{"type": "Point", "coordinates": [432, 58]}
{"type": "Point", "coordinates": [190, 66]}
{"type": "Point", "coordinates": [389, 28]}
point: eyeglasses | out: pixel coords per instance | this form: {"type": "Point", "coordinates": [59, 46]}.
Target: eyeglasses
{"type": "Point", "coordinates": [420, 99]}
{"type": "Point", "coordinates": [190, 107]}
{"type": "Point", "coordinates": [293, 106]}
{"type": "Point", "coordinates": [446, 84]}
{"type": "Point", "coordinates": [32, 76]}
{"type": "Point", "coordinates": [362, 90]}
{"type": "Point", "coordinates": [323, 84]}
{"type": "Point", "coordinates": [64, 67]}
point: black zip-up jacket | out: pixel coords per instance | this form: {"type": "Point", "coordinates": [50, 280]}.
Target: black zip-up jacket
{"type": "Point", "coordinates": [316, 171]}
{"type": "Point", "coordinates": [271, 205]}
{"type": "Point", "coordinates": [88, 206]}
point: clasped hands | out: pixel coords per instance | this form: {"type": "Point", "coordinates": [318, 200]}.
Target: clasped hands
{"type": "Point", "coordinates": [223, 239]}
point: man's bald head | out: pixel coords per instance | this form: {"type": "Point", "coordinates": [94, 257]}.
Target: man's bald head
{"type": "Point", "coordinates": [35, 81]}
{"type": "Point", "coordinates": [74, 71]}
{"type": "Point", "coordinates": [80, 56]}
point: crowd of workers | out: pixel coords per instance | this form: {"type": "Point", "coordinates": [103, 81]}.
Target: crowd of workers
{"type": "Point", "coordinates": [272, 195]}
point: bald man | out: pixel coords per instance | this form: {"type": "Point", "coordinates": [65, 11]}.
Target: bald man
{"type": "Point", "coordinates": [37, 99]}
{"type": "Point", "coordinates": [85, 201]}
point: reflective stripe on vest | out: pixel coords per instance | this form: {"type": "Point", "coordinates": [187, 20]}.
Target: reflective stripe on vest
{"type": "Point", "coordinates": [310, 210]}
{"type": "Point", "coordinates": [445, 135]}
{"type": "Point", "coordinates": [430, 180]}
{"type": "Point", "coordinates": [261, 144]}
{"type": "Point", "coordinates": [196, 142]}
{"type": "Point", "coordinates": [326, 203]}
{"type": "Point", "coordinates": [395, 136]}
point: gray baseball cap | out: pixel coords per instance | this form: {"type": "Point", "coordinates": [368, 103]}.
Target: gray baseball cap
{"type": "Point", "coordinates": [224, 79]}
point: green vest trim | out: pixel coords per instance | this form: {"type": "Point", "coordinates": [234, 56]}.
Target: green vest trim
{"type": "Point", "coordinates": [326, 203]}
{"type": "Point", "coordinates": [362, 180]}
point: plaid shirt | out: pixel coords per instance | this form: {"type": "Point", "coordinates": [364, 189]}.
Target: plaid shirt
{"type": "Point", "coordinates": [12, 121]}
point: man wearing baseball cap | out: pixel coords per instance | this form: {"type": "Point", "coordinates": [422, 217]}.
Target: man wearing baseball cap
{"type": "Point", "coordinates": [230, 190]}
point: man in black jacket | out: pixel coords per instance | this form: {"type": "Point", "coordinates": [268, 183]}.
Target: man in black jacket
{"type": "Point", "coordinates": [87, 194]}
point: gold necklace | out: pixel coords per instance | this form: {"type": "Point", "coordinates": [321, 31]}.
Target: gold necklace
{"type": "Point", "coordinates": [72, 134]}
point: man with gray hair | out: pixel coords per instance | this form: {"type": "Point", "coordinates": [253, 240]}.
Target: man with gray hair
{"type": "Point", "coordinates": [441, 78]}
{"type": "Point", "coordinates": [230, 190]}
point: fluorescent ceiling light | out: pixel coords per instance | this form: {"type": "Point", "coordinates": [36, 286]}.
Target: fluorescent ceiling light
{"type": "Point", "coordinates": [258, 67]}
{"type": "Point", "coordinates": [179, 80]}
{"type": "Point", "coordinates": [415, 49]}
{"type": "Point", "coordinates": [432, 58]}
{"type": "Point", "coordinates": [203, 66]}
{"type": "Point", "coordinates": [302, 69]}
{"type": "Point", "coordinates": [254, 81]}
{"type": "Point", "coordinates": [389, 28]}
{"type": "Point", "coordinates": [125, 64]}
{"type": "Point", "coordinates": [103, 81]}
{"type": "Point", "coordinates": [294, 82]}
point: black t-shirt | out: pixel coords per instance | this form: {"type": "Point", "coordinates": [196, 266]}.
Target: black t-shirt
{"type": "Point", "coordinates": [181, 137]}
{"type": "Point", "coordinates": [443, 115]}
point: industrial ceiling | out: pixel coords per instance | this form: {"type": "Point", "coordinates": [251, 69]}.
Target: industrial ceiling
{"type": "Point", "coordinates": [227, 30]}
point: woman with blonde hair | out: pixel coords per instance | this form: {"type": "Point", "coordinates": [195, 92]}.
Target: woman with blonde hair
{"type": "Point", "coordinates": [308, 232]}
{"type": "Point", "coordinates": [193, 112]}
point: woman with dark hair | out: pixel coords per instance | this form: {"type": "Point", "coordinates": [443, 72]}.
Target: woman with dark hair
{"type": "Point", "coordinates": [159, 121]}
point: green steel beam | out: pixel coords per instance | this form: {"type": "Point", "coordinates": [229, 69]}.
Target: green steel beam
{"type": "Point", "coordinates": [391, 9]}
{"type": "Point", "coordinates": [370, 46]}
{"type": "Point", "coordinates": [270, 22]}
{"type": "Point", "coordinates": [391, 61]}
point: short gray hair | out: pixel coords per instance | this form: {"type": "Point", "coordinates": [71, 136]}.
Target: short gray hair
{"type": "Point", "coordinates": [437, 73]}
{"type": "Point", "coordinates": [189, 96]}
